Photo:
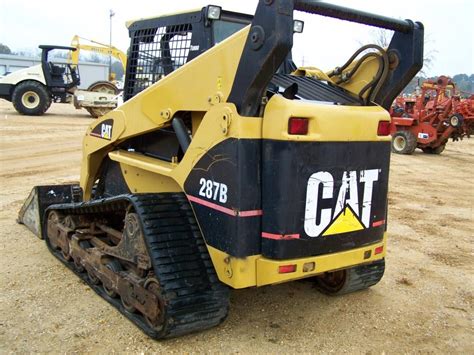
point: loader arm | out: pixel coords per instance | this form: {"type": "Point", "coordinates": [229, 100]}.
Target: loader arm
{"type": "Point", "coordinates": [270, 41]}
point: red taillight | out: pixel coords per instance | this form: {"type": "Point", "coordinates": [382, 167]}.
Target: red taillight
{"type": "Point", "coordinates": [378, 250]}
{"type": "Point", "coordinates": [297, 125]}
{"type": "Point", "coordinates": [384, 128]}
{"type": "Point", "coordinates": [285, 269]}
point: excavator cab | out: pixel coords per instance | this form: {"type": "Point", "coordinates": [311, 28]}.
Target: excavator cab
{"type": "Point", "coordinates": [227, 166]}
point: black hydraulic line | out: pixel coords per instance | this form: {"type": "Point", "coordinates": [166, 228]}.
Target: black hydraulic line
{"type": "Point", "coordinates": [371, 84]}
{"type": "Point", "coordinates": [181, 133]}
{"type": "Point", "coordinates": [338, 70]}
{"type": "Point", "coordinates": [383, 75]}
{"type": "Point", "coordinates": [352, 15]}
{"type": "Point", "coordinates": [349, 74]}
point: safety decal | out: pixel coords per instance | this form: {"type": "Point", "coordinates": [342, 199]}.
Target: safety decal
{"type": "Point", "coordinates": [103, 130]}
{"type": "Point", "coordinates": [351, 212]}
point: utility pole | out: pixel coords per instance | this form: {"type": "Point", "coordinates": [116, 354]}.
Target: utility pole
{"type": "Point", "coordinates": [111, 14]}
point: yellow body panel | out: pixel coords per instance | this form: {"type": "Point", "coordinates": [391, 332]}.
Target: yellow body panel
{"type": "Point", "coordinates": [213, 74]}
{"type": "Point", "coordinates": [235, 272]}
{"type": "Point", "coordinates": [257, 270]}
{"type": "Point", "coordinates": [143, 181]}
{"type": "Point", "coordinates": [328, 123]}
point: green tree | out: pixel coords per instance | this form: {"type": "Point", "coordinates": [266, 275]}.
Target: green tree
{"type": "Point", "coordinates": [4, 49]}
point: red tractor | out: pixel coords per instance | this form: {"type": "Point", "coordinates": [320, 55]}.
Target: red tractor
{"type": "Point", "coordinates": [427, 121]}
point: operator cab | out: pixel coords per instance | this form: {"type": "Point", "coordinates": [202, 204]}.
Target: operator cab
{"type": "Point", "coordinates": [162, 44]}
{"type": "Point", "coordinates": [60, 77]}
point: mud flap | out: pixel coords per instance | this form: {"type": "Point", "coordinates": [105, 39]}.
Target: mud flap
{"type": "Point", "coordinates": [32, 211]}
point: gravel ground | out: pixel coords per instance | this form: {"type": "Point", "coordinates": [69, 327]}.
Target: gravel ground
{"type": "Point", "coordinates": [423, 304]}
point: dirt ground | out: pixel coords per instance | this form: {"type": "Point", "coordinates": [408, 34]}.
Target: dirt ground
{"type": "Point", "coordinates": [423, 304]}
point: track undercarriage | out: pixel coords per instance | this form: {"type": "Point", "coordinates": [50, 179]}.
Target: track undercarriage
{"type": "Point", "coordinates": [145, 255]}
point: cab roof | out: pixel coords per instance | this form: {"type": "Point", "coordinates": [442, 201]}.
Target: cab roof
{"type": "Point", "coordinates": [51, 47]}
{"type": "Point", "coordinates": [131, 22]}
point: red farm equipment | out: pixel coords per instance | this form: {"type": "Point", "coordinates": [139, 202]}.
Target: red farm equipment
{"type": "Point", "coordinates": [430, 118]}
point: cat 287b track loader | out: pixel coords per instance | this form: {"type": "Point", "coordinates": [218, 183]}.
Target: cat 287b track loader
{"type": "Point", "coordinates": [228, 166]}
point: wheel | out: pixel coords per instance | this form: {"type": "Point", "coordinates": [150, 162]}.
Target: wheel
{"type": "Point", "coordinates": [437, 150]}
{"type": "Point", "coordinates": [115, 266]}
{"type": "Point", "coordinates": [403, 142]}
{"type": "Point", "coordinates": [53, 221]}
{"type": "Point", "coordinates": [128, 306]}
{"type": "Point", "coordinates": [78, 265]}
{"type": "Point", "coordinates": [92, 277]}
{"type": "Point", "coordinates": [31, 98]}
{"type": "Point", "coordinates": [456, 120]}
{"type": "Point", "coordinates": [152, 285]}
{"type": "Point", "coordinates": [350, 280]}
{"type": "Point", "coordinates": [105, 87]}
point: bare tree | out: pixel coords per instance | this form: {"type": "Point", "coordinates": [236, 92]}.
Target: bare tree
{"type": "Point", "coordinates": [383, 37]}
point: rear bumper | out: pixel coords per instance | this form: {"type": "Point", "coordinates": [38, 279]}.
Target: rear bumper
{"type": "Point", "coordinates": [259, 271]}
{"type": "Point", "coordinates": [267, 269]}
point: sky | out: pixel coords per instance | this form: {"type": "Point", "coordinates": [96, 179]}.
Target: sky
{"type": "Point", "coordinates": [325, 43]}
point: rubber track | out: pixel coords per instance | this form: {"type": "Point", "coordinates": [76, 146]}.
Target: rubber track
{"type": "Point", "coordinates": [363, 276]}
{"type": "Point", "coordinates": [196, 299]}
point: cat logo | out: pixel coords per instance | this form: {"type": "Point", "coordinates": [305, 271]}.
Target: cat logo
{"type": "Point", "coordinates": [106, 131]}
{"type": "Point", "coordinates": [349, 213]}
{"type": "Point", "coordinates": [103, 130]}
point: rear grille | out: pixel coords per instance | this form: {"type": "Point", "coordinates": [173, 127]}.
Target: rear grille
{"type": "Point", "coordinates": [312, 89]}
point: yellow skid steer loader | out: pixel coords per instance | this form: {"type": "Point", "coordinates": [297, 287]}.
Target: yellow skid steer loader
{"type": "Point", "coordinates": [228, 166]}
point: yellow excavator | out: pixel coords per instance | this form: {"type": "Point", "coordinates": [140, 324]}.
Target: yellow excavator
{"type": "Point", "coordinates": [96, 47]}
{"type": "Point", "coordinates": [229, 167]}
{"type": "Point", "coordinates": [110, 87]}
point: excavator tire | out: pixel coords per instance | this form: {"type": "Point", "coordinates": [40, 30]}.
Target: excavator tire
{"type": "Point", "coordinates": [105, 87]}
{"type": "Point", "coordinates": [31, 98]}
{"type": "Point", "coordinates": [145, 255]}
{"type": "Point", "coordinates": [350, 280]}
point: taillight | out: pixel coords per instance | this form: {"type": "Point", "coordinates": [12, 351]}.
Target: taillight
{"type": "Point", "coordinates": [378, 250]}
{"type": "Point", "coordinates": [384, 128]}
{"type": "Point", "coordinates": [285, 269]}
{"type": "Point", "coordinates": [298, 125]}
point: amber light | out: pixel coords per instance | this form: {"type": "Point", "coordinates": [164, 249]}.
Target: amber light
{"type": "Point", "coordinates": [384, 128]}
{"type": "Point", "coordinates": [298, 125]}
{"type": "Point", "coordinates": [285, 269]}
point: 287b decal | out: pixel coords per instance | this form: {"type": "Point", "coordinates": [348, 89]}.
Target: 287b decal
{"type": "Point", "coordinates": [350, 212]}
{"type": "Point", "coordinates": [213, 190]}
